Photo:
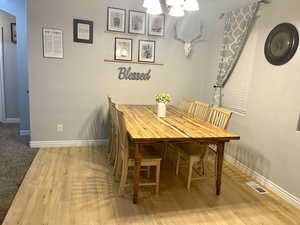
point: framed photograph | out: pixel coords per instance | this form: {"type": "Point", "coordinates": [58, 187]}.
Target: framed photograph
{"type": "Point", "coordinates": [83, 31]}
{"type": "Point", "coordinates": [146, 51]}
{"type": "Point", "coordinates": [137, 22]}
{"type": "Point", "coordinates": [116, 19]}
{"type": "Point", "coordinates": [13, 30]}
{"type": "Point", "coordinates": [156, 25]}
{"type": "Point", "coordinates": [53, 43]}
{"type": "Point", "coordinates": [123, 49]}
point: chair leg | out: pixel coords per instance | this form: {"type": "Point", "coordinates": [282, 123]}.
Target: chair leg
{"type": "Point", "coordinates": [148, 172]}
{"type": "Point", "coordinates": [123, 176]}
{"type": "Point", "coordinates": [190, 172]}
{"type": "Point", "coordinates": [157, 177]}
{"type": "Point", "coordinates": [178, 163]}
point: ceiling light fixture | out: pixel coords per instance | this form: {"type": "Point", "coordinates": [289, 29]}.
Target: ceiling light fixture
{"type": "Point", "coordinates": [174, 2]}
{"type": "Point", "coordinates": [154, 8]}
{"type": "Point", "coordinates": [177, 6]}
{"type": "Point", "coordinates": [191, 5]}
{"type": "Point", "coordinates": [176, 11]}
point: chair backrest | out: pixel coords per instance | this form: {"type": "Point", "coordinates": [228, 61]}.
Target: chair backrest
{"type": "Point", "coordinates": [219, 117]}
{"type": "Point", "coordinates": [200, 110]}
{"type": "Point", "coordinates": [186, 105]}
{"type": "Point", "coordinates": [123, 137]}
{"type": "Point", "coordinates": [115, 119]}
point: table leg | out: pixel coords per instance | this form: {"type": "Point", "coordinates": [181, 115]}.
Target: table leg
{"type": "Point", "coordinates": [138, 159]}
{"type": "Point", "coordinates": [220, 158]}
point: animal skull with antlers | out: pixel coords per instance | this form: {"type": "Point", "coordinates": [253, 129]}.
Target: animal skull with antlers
{"type": "Point", "coordinates": [188, 44]}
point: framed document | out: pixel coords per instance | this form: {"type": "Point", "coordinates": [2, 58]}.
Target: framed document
{"type": "Point", "coordinates": [83, 31]}
{"type": "Point", "coordinates": [137, 22]}
{"type": "Point", "coordinates": [116, 19]}
{"type": "Point", "coordinates": [123, 49]}
{"type": "Point", "coordinates": [156, 25]}
{"type": "Point", "coordinates": [53, 43]}
{"type": "Point", "coordinates": [146, 51]}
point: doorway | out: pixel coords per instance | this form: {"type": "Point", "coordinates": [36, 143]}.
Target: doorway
{"type": "Point", "coordinates": [9, 82]}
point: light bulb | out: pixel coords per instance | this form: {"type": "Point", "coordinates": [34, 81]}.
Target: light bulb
{"type": "Point", "coordinates": [156, 10]}
{"type": "Point", "coordinates": [174, 2]}
{"type": "Point", "coordinates": [176, 11]}
{"type": "Point", "coordinates": [191, 5]}
{"type": "Point", "coordinates": [147, 4]}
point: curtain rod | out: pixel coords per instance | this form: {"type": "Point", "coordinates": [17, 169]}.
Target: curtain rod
{"type": "Point", "coordinates": [261, 1]}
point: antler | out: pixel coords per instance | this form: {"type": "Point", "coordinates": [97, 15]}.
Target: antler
{"type": "Point", "coordinates": [176, 37]}
{"type": "Point", "coordinates": [200, 35]}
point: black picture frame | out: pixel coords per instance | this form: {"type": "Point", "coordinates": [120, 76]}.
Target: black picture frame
{"type": "Point", "coordinates": [130, 21]}
{"type": "Point", "coordinates": [108, 27]}
{"type": "Point", "coordinates": [154, 51]}
{"type": "Point", "coordinates": [291, 44]}
{"type": "Point", "coordinates": [13, 32]}
{"type": "Point", "coordinates": [76, 22]}
{"type": "Point", "coordinates": [115, 50]}
{"type": "Point", "coordinates": [150, 33]}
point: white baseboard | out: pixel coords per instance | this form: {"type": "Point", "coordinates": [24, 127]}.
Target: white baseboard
{"type": "Point", "coordinates": [71, 143]}
{"type": "Point", "coordinates": [25, 132]}
{"type": "Point", "coordinates": [295, 201]}
{"type": "Point", "coordinates": [12, 120]}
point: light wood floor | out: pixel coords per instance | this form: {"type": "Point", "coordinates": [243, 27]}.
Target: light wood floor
{"type": "Point", "coordinates": [74, 186]}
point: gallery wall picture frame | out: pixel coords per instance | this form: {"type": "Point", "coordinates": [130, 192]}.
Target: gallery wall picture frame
{"type": "Point", "coordinates": [123, 49]}
{"type": "Point", "coordinates": [83, 31]}
{"type": "Point", "coordinates": [156, 25]}
{"type": "Point", "coordinates": [116, 19]}
{"type": "Point", "coordinates": [136, 22]}
{"type": "Point", "coordinates": [53, 43]}
{"type": "Point", "coordinates": [147, 51]}
{"type": "Point", "coordinates": [13, 31]}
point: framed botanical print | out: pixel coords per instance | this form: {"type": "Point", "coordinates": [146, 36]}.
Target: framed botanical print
{"type": "Point", "coordinates": [116, 19]}
{"type": "Point", "coordinates": [123, 49]}
{"type": "Point", "coordinates": [156, 25]}
{"type": "Point", "coordinates": [137, 22]}
{"type": "Point", "coordinates": [146, 51]}
{"type": "Point", "coordinates": [13, 30]}
{"type": "Point", "coordinates": [83, 31]}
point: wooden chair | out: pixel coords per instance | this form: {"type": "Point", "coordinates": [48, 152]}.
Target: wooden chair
{"type": "Point", "coordinates": [114, 137]}
{"type": "Point", "coordinates": [201, 110]}
{"type": "Point", "coordinates": [196, 152]}
{"type": "Point", "coordinates": [186, 105]}
{"type": "Point", "coordinates": [126, 154]}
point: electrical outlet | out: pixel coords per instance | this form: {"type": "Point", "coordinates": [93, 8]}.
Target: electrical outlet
{"type": "Point", "coordinates": [60, 128]}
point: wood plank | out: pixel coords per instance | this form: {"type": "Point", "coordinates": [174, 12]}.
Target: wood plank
{"type": "Point", "coordinates": [143, 125]}
{"type": "Point", "coordinates": [75, 186]}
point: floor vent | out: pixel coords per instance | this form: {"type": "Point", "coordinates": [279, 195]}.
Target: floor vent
{"type": "Point", "coordinates": [257, 188]}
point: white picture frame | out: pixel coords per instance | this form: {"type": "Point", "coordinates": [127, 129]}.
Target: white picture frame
{"type": "Point", "coordinates": [53, 43]}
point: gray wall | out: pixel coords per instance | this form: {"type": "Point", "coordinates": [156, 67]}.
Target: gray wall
{"type": "Point", "coordinates": [73, 91]}
{"type": "Point", "coordinates": [18, 9]}
{"type": "Point", "coordinates": [10, 67]}
{"type": "Point", "coordinates": [269, 142]}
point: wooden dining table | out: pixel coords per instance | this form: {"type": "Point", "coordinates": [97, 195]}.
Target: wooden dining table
{"type": "Point", "coordinates": [145, 127]}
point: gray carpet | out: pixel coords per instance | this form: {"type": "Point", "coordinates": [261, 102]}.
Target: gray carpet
{"type": "Point", "coordinates": [15, 159]}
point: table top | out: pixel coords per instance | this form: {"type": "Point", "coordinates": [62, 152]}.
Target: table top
{"type": "Point", "coordinates": [143, 125]}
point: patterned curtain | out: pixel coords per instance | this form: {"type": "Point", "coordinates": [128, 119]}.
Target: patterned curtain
{"type": "Point", "coordinates": [237, 26]}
